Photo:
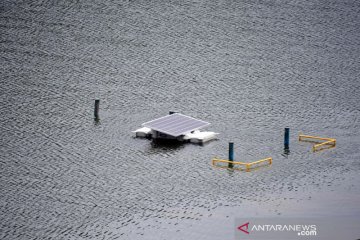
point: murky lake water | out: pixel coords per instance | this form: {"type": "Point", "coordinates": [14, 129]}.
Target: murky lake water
{"type": "Point", "coordinates": [250, 68]}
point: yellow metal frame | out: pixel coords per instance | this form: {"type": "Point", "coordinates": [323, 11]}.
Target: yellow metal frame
{"type": "Point", "coordinates": [328, 141]}
{"type": "Point", "coordinates": [248, 166]}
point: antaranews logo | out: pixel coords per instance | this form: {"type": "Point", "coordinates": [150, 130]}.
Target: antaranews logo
{"type": "Point", "coordinates": [300, 229]}
{"type": "Point", "coordinates": [244, 228]}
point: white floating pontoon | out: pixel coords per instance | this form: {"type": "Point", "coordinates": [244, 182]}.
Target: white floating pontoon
{"type": "Point", "coordinates": [177, 127]}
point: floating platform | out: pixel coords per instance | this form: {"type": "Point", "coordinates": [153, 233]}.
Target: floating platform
{"type": "Point", "coordinates": [176, 127]}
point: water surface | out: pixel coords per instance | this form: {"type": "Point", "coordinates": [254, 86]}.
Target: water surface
{"type": "Point", "coordinates": [250, 68]}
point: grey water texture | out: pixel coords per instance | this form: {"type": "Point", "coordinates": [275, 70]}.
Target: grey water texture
{"type": "Point", "coordinates": [250, 68]}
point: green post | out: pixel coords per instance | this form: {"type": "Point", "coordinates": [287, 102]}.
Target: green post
{"type": "Point", "coordinates": [231, 154]}
{"type": "Point", "coordinates": [287, 141]}
{"type": "Point", "coordinates": [96, 110]}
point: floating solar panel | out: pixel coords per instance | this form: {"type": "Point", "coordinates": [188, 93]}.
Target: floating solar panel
{"type": "Point", "coordinates": [175, 124]}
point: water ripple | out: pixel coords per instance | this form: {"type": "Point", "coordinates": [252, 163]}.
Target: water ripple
{"type": "Point", "coordinates": [250, 69]}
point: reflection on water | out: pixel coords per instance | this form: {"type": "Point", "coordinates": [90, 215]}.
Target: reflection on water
{"type": "Point", "coordinates": [157, 146]}
{"type": "Point", "coordinates": [248, 68]}
{"type": "Point", "coordinates": [166, 144]}
{"type": "Point", "coordinates": [286, 152]}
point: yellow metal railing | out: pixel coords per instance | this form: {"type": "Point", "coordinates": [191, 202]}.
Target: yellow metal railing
{"type": "Point", "coordinates": [316, 147]}
{"type": "Point", "coordinates": [247, 166]}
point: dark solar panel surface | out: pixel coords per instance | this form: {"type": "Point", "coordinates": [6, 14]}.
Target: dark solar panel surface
{"type": "Point", "coordinates": [175, 124]}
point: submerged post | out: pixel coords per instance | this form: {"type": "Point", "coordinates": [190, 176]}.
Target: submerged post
{"type": "Point", "coordinates": [231, 154]}
{"type": "Point", "coordinates": [286, 140]}
{"type": "Point", "coordinates": [96, 110]}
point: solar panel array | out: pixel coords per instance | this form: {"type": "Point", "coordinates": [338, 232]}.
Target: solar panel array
{"type": "Point", "coordinates": [175, 124]}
